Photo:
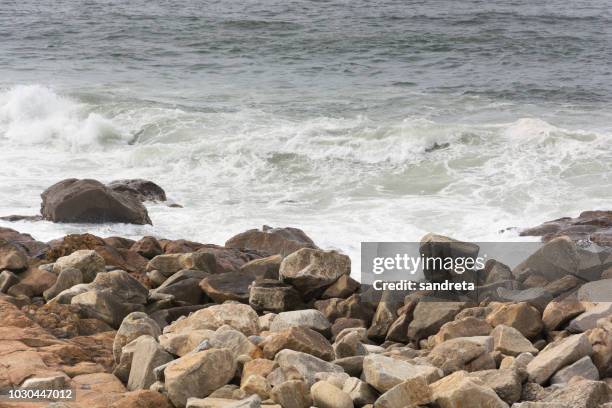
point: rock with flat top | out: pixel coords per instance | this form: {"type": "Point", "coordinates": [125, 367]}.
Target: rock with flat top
{"type": "Point", "coordinates": [511, 342]}
{"type": "Point", "coordinates": [558, 355]}
{"type": "Point", "coordinates": [282, 241]}
{"type": "Point", "coordinates": [384, 373]}
{"type": "Point", "coordinates": [311, 269]}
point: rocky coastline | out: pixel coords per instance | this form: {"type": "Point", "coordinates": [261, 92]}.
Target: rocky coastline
{"type": "Point", "coordinates": [270, 319]}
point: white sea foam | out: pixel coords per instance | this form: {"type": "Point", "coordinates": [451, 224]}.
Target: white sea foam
{"type": "Point", "coordinates": [343, 180]}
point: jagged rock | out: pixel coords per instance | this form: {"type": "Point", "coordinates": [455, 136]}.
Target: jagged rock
{"type": "Point", "coordinates": [89, 262]}
{"type": "Point", "coordinates": [259, 366]}
{"type": "Point", "coordinates": [580, 394]}
{"type": "Point", "coordinates": [506, 383]}
{"type": "Point", "coordinates": [562, 285]}
{"type": "Point", "coordinates": [412, 392]}
{"type": "Point", "coordinates": [385, 315]}
{"type": "Point", "coordinates": [456, 354]}
{"type": "Point", "coordinates": [301, 339]}
{"type": "Point", "coordinates": [180, 344]}
{"type": "Point", "coordinates": [66, 279]}
{"type": "Point", "coordinates": [241, 317]}
{"type": "Point", "coordinates": [346, 323]}
{"type": "Point", "coordinates": [383, 373]}
{"type": "Point", "coordinates": [7, 279]}
{"type": "Point", "coordinates": [66, 296]}
{"type": "Point", "coordinates": [350, 345]}
{"type": "Point", "coordinates": [557, 355]}
{"type": "Point", "coordinates": [496, 271]}
{"type": "Point", "coordinates": [522, 316]}
{"type": "Point", "coordinates": [510, 341]}
{"type": "Point", "coordinates": [305, 364]}
{"type": "Point", "coordinates": [536, 297]}
{"type": "Point", "coordinates": [169, 264]}
{"type": "Point", "coordinates": [124, 365]}
{"type": "Point", "coordinates": [105, 305]}
{"type": "Point", "coordinates": [359, 391]}
{"type": "Point", "coordinates": [263, 268]}
{"type": "Point", "coordinates": [344, 287]}
{"type": "Point", "coordinates": [588, 320]}
{"type": "Point", "coordinates": [583, 368]}
{"type": "Point", "coordinates": [429, 316]}
{"type": "Point", "coordinates": [256, 384]}
{"type": "Point", "coordinates": [122, 284]}
{"type": "Point", "coordinates": [228, 286]}
{"type": "Point", "coordinates": [292, 394]}
{"type": "Point", "coordinates": [555, 259]}
{"type": "Point", "coordinates": [311, 318]}
{"type": "Point", "coordinates": [466, 327]}
{"type": "Point", "coordinates": [148, 247]}
{"type": "Point", "coordinates": [143, 190]}
{"type": "Point", "coordinates": [311, 269]}
{"type": "Point", "coordinates": [185, 290]}
{"type": "Point", "coordinates": [133, 326]}
{"type": "Point", "coordinates": [439, 246]}
{"type": "Point", "coordinates": [148, 354]}
{"type": "Point", "coordinates": [74, 200]}
{"type": "Point", "coordinates": [189, 376]}
{"type": "Point", "coordinates": [326, 395]}
{"type": "Point", "coordinates": [274, 296]}
{"type": "Point", "coordinates": [601, 340]}
{"type": "Point", "coordinates": [235, 341]}
{"type": "Point", "coordinates": [460, 390]}
{"type": "Point", "coordinates": [282, 241]}
{"type": "Point", "coordinates": [353, 366]}
{"type": "Point", "coordinates": [352, 307]}
{"type": "Point", "coordinates": [12, 256]}
{"type": "Point", "coordinates": [598, 291]}
{"type": "Point", "coordinates": [558, 313]}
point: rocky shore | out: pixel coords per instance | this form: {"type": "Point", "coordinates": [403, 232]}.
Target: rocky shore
{"type": "Point", "coordinates": [271, 320]}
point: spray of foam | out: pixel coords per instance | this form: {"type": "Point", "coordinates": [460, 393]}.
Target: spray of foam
{"type": "Point", "coordinates": [35, 114]}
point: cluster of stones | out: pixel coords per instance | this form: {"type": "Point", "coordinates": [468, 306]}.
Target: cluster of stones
{"type": "Point", "coordinates": [270, 320]}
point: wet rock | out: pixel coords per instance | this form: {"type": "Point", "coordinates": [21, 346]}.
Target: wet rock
{"type": "Point", "coordinates": [558, 313]}
{"type": "Point", "coordinates": [133, 326]}
{"type": "Point", "coordinates": [311, 318]}
{"type": "Point", "coordinates": [228, 286]}
{"type": "Point", "coordinates": [557, 355]}
{"type": "Point", "coordinates": [189, 376]}
{"type": "Point", "coordinates": [89, 262]}
{"type": "Point", "coordinates": [409, 393]}
{"type": "Point", "coordinates": [583, 368]}
{"type": "Point", "coordinates": [522, 316]}
{"type": "Point", "coordinates": [292, 394]}
{"type": "Point", "coordinates": [589, 225]}
{"type": "Point", "coordinates": [326, 395]}
{"type": "Point", "coordinates": [241, 317]}
{"type": "Point", "coordinates": [429, 316]}
{"type": "Point", "coordinates": [148, 354]}
{"type": "Point", "coordinates": [311, 269]}
{"type": "Point", "coordinates": [74, 200]}
{"type": "Point", "coordinates": [506, 383]}
{"type": "Point", "coordinates": [67, 278]}
{"type": "Point", "coordinates": [460, 390]}
{"type": "Point", "coordinates": [301, 339]}
{"type": "Point", "coordinates": [143, 190]}
{"type": "Point", "coordinates": [510, 341]}
{"type": "Point", "coordinates": [305, 364]}
{"type": "Point", "coordinates": [148, 247]}
{"type": "Point", "coordinates": [383, 373]}
{"type": "Point", "coordinates": [282, 241]}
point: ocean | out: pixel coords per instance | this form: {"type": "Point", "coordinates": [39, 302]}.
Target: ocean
{"type": "Point", "coordinates": [353, 120]}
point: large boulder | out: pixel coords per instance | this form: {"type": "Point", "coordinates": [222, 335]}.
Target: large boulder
{"type": "Point", "coordinates": [311, 269]}
{"type": "Point", "coordinates": [190, 375]}
{"type": "Point", "coordinates": [589, 225]}
{"type": "Point", "coordinates": [273, 296]}
{"type": "Point", "coordinates": [597, 291]}
{"type": "Point", "coordinates": [143, 190]}
{"type": "Point", "coordinates": [507, 383]}
{"type": "Point", "coordinates": [282, 241]}
{"type": "Point", "coordinates": [558, 355]}
{"type": "Point", "coordinates": [67, 278]}
{"type": "Point", "coordinates": [522, 316]}
{"type": "Point", "coordinates": [86, 200]}
{"type": "Point", "coordinates": [582, 368]}
{"type": "Point", "coordinates": [555, 259]}
{"type": "Point", "coordinates": [122, 284]}
{"type": "Point", "coordinates": [241, 317]}
{"type": "Point", "coordinates": [299, 339]}
{"type": "Point", "coordinates": [384, 373]}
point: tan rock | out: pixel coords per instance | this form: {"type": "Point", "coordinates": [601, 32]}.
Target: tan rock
{"type": "Point", "coordinates": [326, 395]}
{"type": "Point", "coordinates": [301, 339]}
{"type": "Point", "coordinates": [557, 355]}
{"type": "Point", "coordinates": [241, 317]}
{"type": "Point", "coordinates": [292, 394]}
{"type": "Point", "coordinates": [256, 384]}
{"type": "Point", "coordinates": [408, 394]}
{"type": "Point", "coordinates": [460, 390]}
{"type": "Point", "coordinates": [180, 344]}
{"type": "Point", "coordinates": [383, 373]}
{"type": "Point", "coordinates": [558, 313]}
{"type": "Point", "coordinates": [510, 341]}
{"type": "Point", "coordinates": [466, 327]}
{"type": "Point", "coordinates": [522, 316]}
{"type": "Point", "coordinates": [311, 269]}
